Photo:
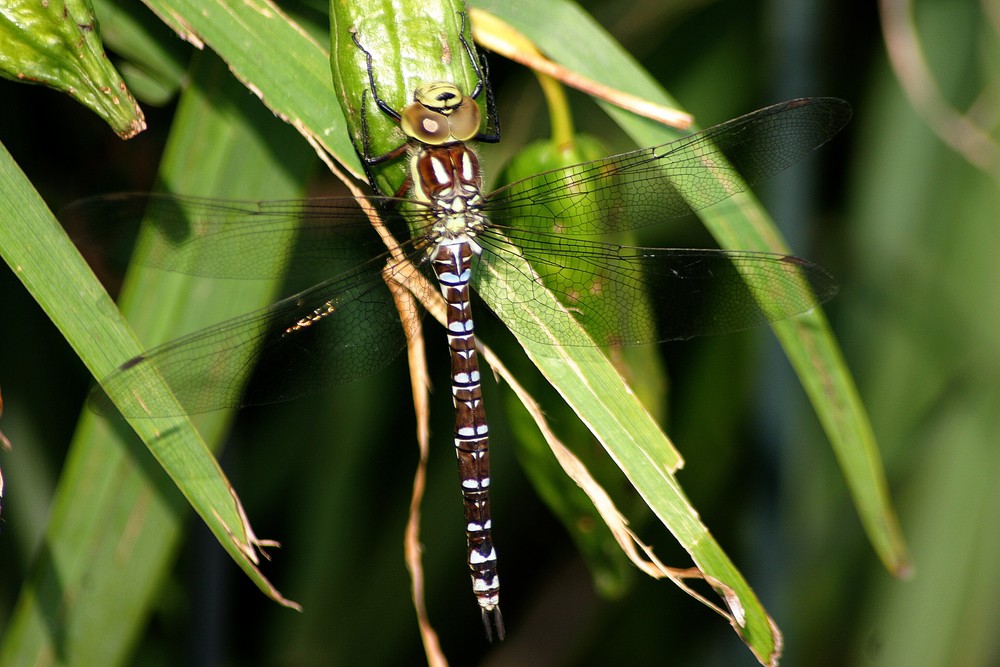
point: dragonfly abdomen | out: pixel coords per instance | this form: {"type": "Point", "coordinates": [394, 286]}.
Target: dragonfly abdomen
{"type": "Point", "coordinates": [452, 261]}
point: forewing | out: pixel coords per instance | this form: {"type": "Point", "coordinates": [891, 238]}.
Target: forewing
{"type": "Point", "coordinates": [232, 239]}
{"type": "Point", "coordinates": [651, 185]}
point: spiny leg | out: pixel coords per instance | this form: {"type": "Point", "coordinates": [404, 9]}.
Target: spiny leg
{"type": "Point", "coordinates": [482, 70]}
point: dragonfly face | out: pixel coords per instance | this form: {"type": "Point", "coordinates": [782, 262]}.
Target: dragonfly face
{"type": "Point", "coordinates": [440, 114]}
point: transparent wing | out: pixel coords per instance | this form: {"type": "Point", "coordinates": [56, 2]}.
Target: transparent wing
{"type": "Point", "coordinates": [651, 185]}
{"type": "Point", "coordinates": [624, 295]}
{"type": "Point", "coordinates": [339, 330]}
{"type": "Point", "coordinates": [347, 326]}
{"type": "Point", "coordinates": [233, 239]}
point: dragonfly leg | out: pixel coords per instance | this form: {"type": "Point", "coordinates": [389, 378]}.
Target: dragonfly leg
{"type": "Point", "coordinates": [368, 160]}
{"type": "Point", "coordinates": [382, 104]}
{"type": "Point", "coordinates": [482, 70]}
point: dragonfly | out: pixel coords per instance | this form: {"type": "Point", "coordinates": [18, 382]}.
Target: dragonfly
{"type": "Point", "coordinates": [552, 228]}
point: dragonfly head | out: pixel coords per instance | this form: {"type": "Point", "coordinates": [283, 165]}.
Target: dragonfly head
{"type": "Point", "coordinates": [440, 114]}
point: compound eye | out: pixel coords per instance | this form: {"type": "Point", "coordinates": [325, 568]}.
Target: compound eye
{"type": "Point", "coordinates": [424, 125]}
{"type": "Point", "coordinates": [464, 120]}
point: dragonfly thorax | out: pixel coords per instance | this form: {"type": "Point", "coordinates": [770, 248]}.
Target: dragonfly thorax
{"type": "Point", "coordinates": [440, 114]}
{"type": "Point", "coordinates": [448, 179]}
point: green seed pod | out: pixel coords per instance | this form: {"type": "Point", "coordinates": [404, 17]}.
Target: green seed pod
{"type": "Point", "coordinates": [58, 44]}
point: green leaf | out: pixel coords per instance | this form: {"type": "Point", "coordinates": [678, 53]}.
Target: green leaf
{"type": "Point", "coordinates": [610, 567]}
{"type": "Point", "coordinates": [276, 59]}
{"type": "Point", "coordinates": [130, 523]}
{"type": "Point", "coordinates": [154, 60]}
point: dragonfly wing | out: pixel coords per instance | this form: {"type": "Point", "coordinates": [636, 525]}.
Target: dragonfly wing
{"type": "Point", "coordinates": [625, 295]}
{"type": "Point", "coordinates": [337, 331]}
{"type": "Point", "coordinates": [651, 185]}
{"type": "Point", "coordinates": [231, 239]}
